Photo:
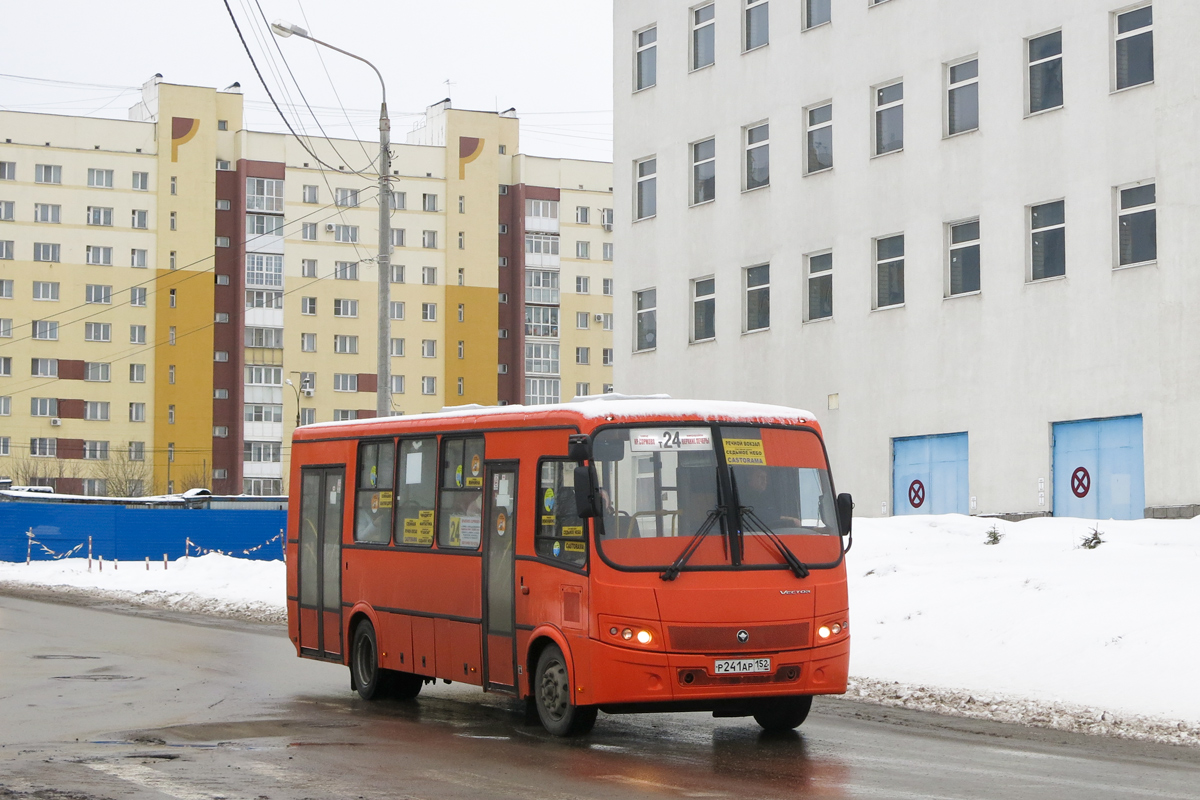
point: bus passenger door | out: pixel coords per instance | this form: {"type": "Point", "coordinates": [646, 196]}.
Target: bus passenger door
{"type": "Point", "coordinates": [499, 616]}
{"type": "Point", "coordinates": [322, 492]}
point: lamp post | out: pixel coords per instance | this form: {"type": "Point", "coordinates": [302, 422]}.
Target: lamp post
{"type": "Point", "coordinates": [383, 389]}
{"type": "Point", "coordinates": [288, 381]}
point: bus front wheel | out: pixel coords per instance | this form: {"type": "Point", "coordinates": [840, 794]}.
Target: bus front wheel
{"type": "Point", "coordinates": [552, 695]}
{"type": "Point", "coordinates": [783, 713]}
{"type": "Point", "coordinates": [368, 678]}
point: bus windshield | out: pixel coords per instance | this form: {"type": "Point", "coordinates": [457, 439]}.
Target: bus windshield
{"type": "Point", "coordinates": [662, 486]}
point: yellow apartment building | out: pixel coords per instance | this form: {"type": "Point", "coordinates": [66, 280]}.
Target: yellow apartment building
{"type": "Point", "coordinates": [177, 293]}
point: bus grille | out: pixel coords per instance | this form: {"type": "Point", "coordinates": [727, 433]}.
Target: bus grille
{"type": "Point", "coordinates": [724, 638]}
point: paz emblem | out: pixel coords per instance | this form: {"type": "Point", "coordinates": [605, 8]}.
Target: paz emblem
{"type": "Point", "coordinates": [743, 637]}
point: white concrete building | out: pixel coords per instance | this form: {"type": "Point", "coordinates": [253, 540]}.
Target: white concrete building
{"type": "Point", "coordinates": [962, 232]}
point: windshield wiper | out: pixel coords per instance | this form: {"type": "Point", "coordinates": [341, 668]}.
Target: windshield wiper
{"type": "Point", "coordinates": [797, 566]}
{"type": "Point", "coordinates": [672, 572]}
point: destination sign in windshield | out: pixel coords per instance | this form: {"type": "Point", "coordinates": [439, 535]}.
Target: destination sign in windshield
{"type": "Point", "coordinates": [653, 440]}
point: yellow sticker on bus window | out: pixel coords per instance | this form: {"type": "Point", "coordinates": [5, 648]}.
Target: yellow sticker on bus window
{"type": "Point", "coordinates": [456, 531]}
{"type": "Point", "coordinates": [575, 547]}
{"type": "Point", "coordinates": [426, 515]}
{"type": "Point", "coordinates": [385, 499]}
{"type": "Point", "coordinates": [573, 531]}
{"type": "Point", "coordinates": [549, 519]}
{"type": "Point", "coordinates": [418, 533]}
{"type": "Point", "coordinates": [744, 452]}
{"type": "Point", "coordinates": [474, 483]}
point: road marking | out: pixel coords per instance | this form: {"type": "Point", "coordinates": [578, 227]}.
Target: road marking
{"type": "Point", "coordinates": [679, 789]}
{"type": "Point", "coordinates": [152, 779]}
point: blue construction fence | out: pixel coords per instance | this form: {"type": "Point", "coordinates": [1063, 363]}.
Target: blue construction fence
{"type": "Point", "coordinates": [137, 532]}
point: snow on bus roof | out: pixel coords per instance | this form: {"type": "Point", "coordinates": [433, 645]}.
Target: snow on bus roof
{"type": "Point", "coordinates": [630, 407]}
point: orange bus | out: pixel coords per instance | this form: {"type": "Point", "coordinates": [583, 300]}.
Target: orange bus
{"type": "Point", "coordinates": [614, 554]}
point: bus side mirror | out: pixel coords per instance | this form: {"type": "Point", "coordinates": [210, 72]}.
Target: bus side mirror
{"type": "Point", "coordinates": [845, 512]}
{"type": "Point", "coordinates": [585, 493]}
{"type": "Point", "coordinates": [579, 448]}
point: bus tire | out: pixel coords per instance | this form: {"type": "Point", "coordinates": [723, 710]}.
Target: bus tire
{"type": "Point", "coordinates": [366, 675]}
{"type": "Point", "coordinates": [405, 685]}
{"type": "Point", "coordinates": [783, 713]}
{"type": "Point", "coordinates": [552, 695]}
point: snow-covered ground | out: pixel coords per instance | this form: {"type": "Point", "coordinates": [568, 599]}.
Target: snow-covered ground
{"type": "Point", "coordinates": [1034, 629]}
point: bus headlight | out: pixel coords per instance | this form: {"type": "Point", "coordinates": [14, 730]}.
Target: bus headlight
{"type": "Point", "coordinates": [644, 637]}
{"type": "Point", "coordinates": [824, 632]}
{"type": "Point", "coordinates": [627, 634]}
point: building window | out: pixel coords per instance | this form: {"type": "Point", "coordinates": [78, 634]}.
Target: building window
{"type": "Point", "coordinates": [462, 312]}
{"type": "Point", "coordinates": [43, 407]}
{"type": "Point", "coordinates": [889, 118]}
{"type": "Point", "coordinates": [6, 327]}
{"type": "Point", "coordinates": [137, 296]}
{"type": "Point", "coordinates": [428, 385]}
{"type": "Point", "coordinates": [263, 225]}
{"type": "Point", "coordinates": [308, 268]}
{"type": "Point", "coordinates": [137, 373]}
{"type": "Point", "coordinates": [429, 276]}
{"type": "Point", "coordinates": [46, 212]}
{"type": "Point", "coordinates": [345, 270]}
{"type": "Point", "coordinates": [399, 201]}
{"type": "Point", "coordinates": [582, 215]}
{"type": "Point", "coordinates": [396, 309]}
{"type": "Point", "coordinates": [541, 321]}
{"type": "Point", "coordinates": [345, 308]}
{"type": "Point", "coordinates": [964, 258]}
{"type": "Point", "coordinates": [46, 252]}
{"type": "Point", "coordinates": [396, 348]}
{"type": "Point", "coordinates": [429, 202]}
{"type": "Point", "coordinates": [429, 240]}
{"type": "Point", "coordinates": [546, 209]}
{"type": "Point", "coordinates": [95, 293]}
{"type": "Point", "coordinates": [607, 286]}
{"type": "Point", "coordinates": [95, 451]}
{"type": "Point", "coordinates": [462, 204]}
{"type": "Point", "coordinates": [346, 234]}
{"type": "Point", "coordinates": [261, 452]}
{"type": "Point", "coordinates": [137, 412]}
{"type": "Point", "coordinates": [962, 97]}
{"type": "Point", "coordinates": [308, 343]}
{"type": "Point", "coordinates": [397, 273]}
{"type": "Point", "coordinates": [43, 447]}
{"type": "Point", "coordinates": [141, 181]}
{"type": "Point", "coordinates": [137, 334]}
{"type": "Point", "coordinates": [606, 250]}
{"type": "Point", "coordinates": [221, 355]}
{"type": "Point", "coordinates": [312, 194]}
{"type": "Point", "coordinates": [220, 394]}
{"type": "Point", "coordinates": [345, 344]}
{"type": "Point", "coordinates": [583, 249]}
{"type": "Point", "coordinates": [1137, 229]}
{"type": "Point", "coordinates": [758, 30]}
{"type": "Point", "coordinates": [47, 173]}
{"type": "Point", "coordinates": [503, 261]}
{"type": "Point", "coordinates": [428, 348]}
{"type": "Point", "coordinates": [99, 332]}
{"type": "Point", "coordinates": [1135, 48]}
{"type": "Point", "coordinates": [221, 316]}
{"type": "Point", "coordinates": [263, 194]}
{"type": "Point", "coordinates": [582, 284]}
{"type": "Point", "coordinates": [542, 391]}
{"type": "Point", "coordinates": [345, 382]}
{"type": "Point", "coordinates": [100, 256]}
{"type": "Point", "coordinates": [308, 231]}
{"type": "Point", "coordinates": [174, 221]}
{"type": "Point", "coordinates": [820, 139]}
{"type": "Point", "coordinates": [429, 312]}
{"type": "Point", "coordinates": [98, 411]}
{"type": "Point", "coordinates": [44, 367]}
{"type": "Point", "coordinates": [1045, 72]}
{"type": "Point", "coordinates": [140, 219]}
{"type": "Point", "coordinates": [889, 271]}
{"type": "Point", "coordinates": [820, 286]}
{"type": "Point", "coordinates": [308, 416]}
{"type": "Point", "coordinates": [462, 349]}
{"type": "Point", "coordinates": [582, 318]}
{"type": "Point", "coordinates": [704, 308]}
{"type": "Point", "coordinates": [646, 201]}
{"type": "Point", "coordinates": [816, 12]}
{"type": "Point", "coordinates": [704, 171]}
{"type": "Point", "coordinates": [6, 366]}
{"type": "Point", "coordinates": [45, 290]}
{"type": "Point", "coordinates": [645, 66]}
{"type": "Point", "coordinates": [758, 156]}
{"type": "Point", "coordinates": [264, 270]}
{"type": "Point", "coordinates": [645, 305]}
{"type": "Point", "coordinates": [608, 357]}
{"type": "Point", "coordinates": [8, 170]}
{"type": "Point", "coordinates": [541, 244]}
{"type": "Point", "coordinates": [583, 356]}
{"type": "Point", "coordinates": [7, 211]}
{"type": "Point", "coordinates": [398, 237]}
{"type": "Point", "coordinates": [346, 198]}
{"type": "Point", "coordinates": [96, 215]}
{"type": "Point", "coordinates": [758, 298]}
{"type": "Point", "coordinates": [308, 306]}
{"type": "Point", "coordinates": [606, 321]}
{"type": "Point", "coordinates": [703, 36]}
{"type": "Point", "coordinates": [397, 384]}
{"type": "Point", "coordinates": [583, 389]}
{"type": "Point", "coordinates": [222, 241]}
{"type": "Point", "coordinates": [541, 286]}
{"type": "Point", "coordinates": [1048, 240]}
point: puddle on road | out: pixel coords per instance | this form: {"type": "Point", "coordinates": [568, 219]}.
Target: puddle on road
{"type": "Point", "coordinates": [63, 657]}
{"type": "Point", "coordinates": [99, 677]}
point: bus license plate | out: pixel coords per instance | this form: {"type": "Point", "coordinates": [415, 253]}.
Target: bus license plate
{"type": "Point", "coordinates": [730, 666]}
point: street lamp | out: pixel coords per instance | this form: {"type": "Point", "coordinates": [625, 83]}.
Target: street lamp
{"type": "Point", "coordinates": [288, 381]}
{"type": "Point", "coordinates": [383, 389]}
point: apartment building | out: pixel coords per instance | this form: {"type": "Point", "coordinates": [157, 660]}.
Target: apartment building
{"type": "Point", "coordinates": [241, 267]}
{"type": "Point", "coordinates": [957, 231]}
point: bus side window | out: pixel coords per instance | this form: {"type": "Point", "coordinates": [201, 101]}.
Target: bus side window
{"type": "Point", "coordinates": [373, 502]}
{"type": "Point", "coordinates": [416, 490]}
{"type": "Point", "coordinates": [461, 509]}
{"type": "Point", "coordinates": [561, 534]}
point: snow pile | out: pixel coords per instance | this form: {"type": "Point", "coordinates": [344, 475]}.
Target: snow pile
{"type": "Point", "coordinates": [1036, 628]}
{"type": "Point", "coordinates": [212, 584]}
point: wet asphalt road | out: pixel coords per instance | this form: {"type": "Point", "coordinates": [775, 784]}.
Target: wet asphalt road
{"type": "Point", "coordinates": [96, 704]}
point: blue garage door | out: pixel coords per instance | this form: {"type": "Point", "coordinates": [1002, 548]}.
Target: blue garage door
{"type": "Point", "coordinates": [1098, 469]}
{"type": "Point", "coordinates": [929, 475]}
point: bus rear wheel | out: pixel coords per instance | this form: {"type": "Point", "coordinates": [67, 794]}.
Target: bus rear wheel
{"type": "Point", "coordinates": [552, 695]}
{"type": "Point", "coordinates": [783, 713]}
{"type": "Point", "coordinates": [367, 677]}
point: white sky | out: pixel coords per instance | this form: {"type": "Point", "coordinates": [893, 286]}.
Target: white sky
{"type": "Point", "coordinates": [551, 59]}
